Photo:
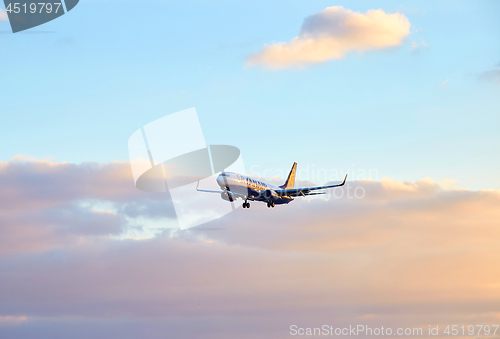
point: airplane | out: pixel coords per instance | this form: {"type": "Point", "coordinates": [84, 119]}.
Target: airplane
{"type": "Point", "coordinates": [236, 186]}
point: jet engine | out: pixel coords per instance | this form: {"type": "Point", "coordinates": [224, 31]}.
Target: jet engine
{"type": "Point", "coordinates": [228, 196]}
{"type": "Point", "coordinates": [269, 193]}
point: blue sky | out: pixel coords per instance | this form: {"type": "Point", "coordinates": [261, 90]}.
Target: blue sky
{"type": "Point", "coordinates": [76, 88]}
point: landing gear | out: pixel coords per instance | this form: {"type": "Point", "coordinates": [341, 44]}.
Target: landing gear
{"type": "Point", "coordinates": [246, 205]}
{"type": "Point", "coordinates": [270, 204]}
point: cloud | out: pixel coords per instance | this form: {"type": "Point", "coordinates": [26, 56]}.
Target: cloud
{"type": "Point", "coordinates": [416, 48]}
{"type": "Point", "coordinates": [406, 254]}
{"type": "Point", "coordinates": [388, 210]}
{"type": "Point", "coordinates": [3, 15]}
{"type": "Point", "coordinates": [444, 84]}
{"type": "Point", "coordinates": [490, 76]}
{"type": "Point", "coordinates": [330, 34]}
{"type": "Point", "coordinates": [12, 320]}
{"type": "Point", "coordinates": [33, 184]}
{"type": "Point", "coordinates": [46, 205]}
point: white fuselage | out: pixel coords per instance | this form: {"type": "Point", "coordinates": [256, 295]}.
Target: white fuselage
{"type": "Point", "coordinates": [250, 189]}
{"type": "Point", "coordinates": [229, 179]}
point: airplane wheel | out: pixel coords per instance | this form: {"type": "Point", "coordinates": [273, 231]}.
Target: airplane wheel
{"type": "Point", "coordinates": [248, 205]}
{"type": "Point", "coordinates": [268, 204]}
{"type": "Point", "coordinates": [272, 204]}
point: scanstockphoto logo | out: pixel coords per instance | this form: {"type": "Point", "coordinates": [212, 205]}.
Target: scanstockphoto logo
{"type": "Point", "coordinates": [170, 155]}
{"type": "Point", "coordinates": [24, 15]}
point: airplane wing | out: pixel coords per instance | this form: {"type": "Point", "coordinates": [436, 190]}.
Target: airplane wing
{"type": "Point", "coordinates": [198, 189]}
{"type": "Point", "coordinates": [295, 192]}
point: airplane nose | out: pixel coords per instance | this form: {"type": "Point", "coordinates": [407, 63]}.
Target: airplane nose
{"type": "Point", "coordinates": [220, 181]}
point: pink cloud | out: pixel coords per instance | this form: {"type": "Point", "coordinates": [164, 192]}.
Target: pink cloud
{"type": "Point", "coordinates": [46, 205]}
{"type": "Point", "coordinates": [3, 15]}
{"type": "Point", "coordinates": [407, 254]}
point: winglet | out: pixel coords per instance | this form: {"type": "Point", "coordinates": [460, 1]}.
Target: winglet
{"type": "Point", "coordinates": [343, 182]}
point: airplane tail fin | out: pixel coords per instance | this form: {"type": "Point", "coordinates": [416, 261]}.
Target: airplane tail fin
{"type": "Point", "coordinates": [290, 181]}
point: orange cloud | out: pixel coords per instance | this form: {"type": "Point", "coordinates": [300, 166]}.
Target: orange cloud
{"type": "Point", "coordinates": [330, 34]}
